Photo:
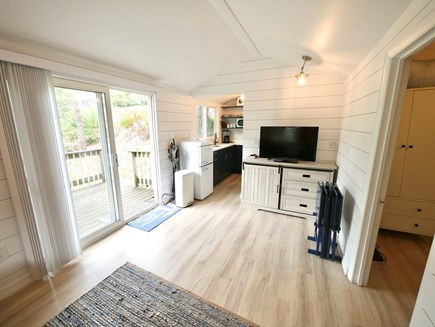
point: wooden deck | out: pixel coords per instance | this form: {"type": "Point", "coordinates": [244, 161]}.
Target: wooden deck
{"type": "Point", "coordinates": [92, 205]}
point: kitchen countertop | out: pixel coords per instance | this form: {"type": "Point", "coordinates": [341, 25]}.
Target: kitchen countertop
{"type": "Point", "coordinates": [300, 164]}
{"type": "Point", "coordinates": [220, 146]}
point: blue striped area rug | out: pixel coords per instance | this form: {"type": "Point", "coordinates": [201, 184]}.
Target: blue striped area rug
{"type": "Point", "coordinates": [132, 296]}
{"type": "Point", "coordinates": [150, 220]}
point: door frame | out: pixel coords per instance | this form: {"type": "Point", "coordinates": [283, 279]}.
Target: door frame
{"type": "Point", "coordinates": [61, 81]}
{"type": "Point", "coordinates": [107, 113]}
{"type": "Point", "coordinates": [397, 64]}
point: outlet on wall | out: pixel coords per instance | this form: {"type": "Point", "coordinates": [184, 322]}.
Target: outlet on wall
{"type": "Point", "coordinates": [333, 144]}
{"type": "Point", "coordinates": [3, 252]}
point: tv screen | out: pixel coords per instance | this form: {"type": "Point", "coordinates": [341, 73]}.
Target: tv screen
{"type": "Point", "coordinates": [289, 143]}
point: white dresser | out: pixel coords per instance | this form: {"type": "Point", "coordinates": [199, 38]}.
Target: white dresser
{"type": "Point", "coordinates": [289, 188]}
{"type": "Point", "coordinates": [410, 201]}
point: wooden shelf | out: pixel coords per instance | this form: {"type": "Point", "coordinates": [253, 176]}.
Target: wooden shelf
{"type": "Point", "coordinates": [227, 107]}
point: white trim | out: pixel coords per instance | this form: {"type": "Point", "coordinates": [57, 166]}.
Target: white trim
{"type": "Point", "coordinates": [75, 68]}
{"type": "Point", "coordinates": [390, 93]}
{"type": "Point", "coordinates": [156, 173]}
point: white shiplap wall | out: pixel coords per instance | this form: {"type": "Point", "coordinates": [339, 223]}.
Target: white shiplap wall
{"type": "Point", "coordinates": [273, 99]}
{"type": "Point", "coordinates": [363, 108]}
{"type": "Point", "coordinates": [176, 118]}
{"type": "Point", "coordinates": [14, 271]}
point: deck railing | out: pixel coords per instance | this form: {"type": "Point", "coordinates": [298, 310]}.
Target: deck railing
{"type": "Point", "coordinates": [85, 168]}
{"type": "Point", "coordinates": [141, 168]}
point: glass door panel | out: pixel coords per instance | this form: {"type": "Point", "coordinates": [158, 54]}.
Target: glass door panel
{"type": "Point", "coordinates": [131, 125]}
{"type": "Point", "coordinates": [84, 126]}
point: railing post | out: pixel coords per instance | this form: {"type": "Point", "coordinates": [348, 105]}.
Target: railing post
{"type": "Point", "coordinates": [101, 175]}
{"type": "Point", "coordinates": [85, 167]}
{"type": "Point", "coordinates": [135, 177]}
{"type": "Point", "coordinates": [141, 168]}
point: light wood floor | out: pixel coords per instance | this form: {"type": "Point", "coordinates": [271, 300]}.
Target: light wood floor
{"type": "Point", "coordinates": [252, 263]}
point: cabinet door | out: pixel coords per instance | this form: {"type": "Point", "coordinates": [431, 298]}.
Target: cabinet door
{"type": "Point", "coordinates": [217, 167]}
{"type": "Point", "coordinates": [395, 180]}
{"type": "Point", "coordinates": [260, 185]}
{"type": "Point", "coordinates": [418, 180]}
{"type": "Point", "coordinates": [228, 160]}
{"type": "Point", "coordinates": [238, 149]}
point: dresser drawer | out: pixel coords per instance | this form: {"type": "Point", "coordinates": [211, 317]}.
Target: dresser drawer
{"type": "Point", "coordinates": [302, 205]}
{"type": "Point", "coordinates": [299, 189]}
{"type": "Point", "coordinates": [312, 176]}
{"type": "Point", "coordinates": [407, 224]}
{"type": "Point", "coordinates": [409, 208]}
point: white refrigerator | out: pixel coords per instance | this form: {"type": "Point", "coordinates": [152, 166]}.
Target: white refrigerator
{"type": "Point", "coordinates": [198, 158]}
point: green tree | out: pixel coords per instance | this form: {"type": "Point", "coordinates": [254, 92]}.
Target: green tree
{"type": "Point", "coordinates": [123, 99]}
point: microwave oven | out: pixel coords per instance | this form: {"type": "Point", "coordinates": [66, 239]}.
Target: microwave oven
{"type": "Point", "coordinates": [239, 122]}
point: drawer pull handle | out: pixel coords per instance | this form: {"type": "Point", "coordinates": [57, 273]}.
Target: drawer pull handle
{"type": "Point", "coordinates": [416, 225]}
{"type": "Point", "coordinates": [303, 205]}
{"type": "Point", "coordinates": [306, 175]}
{"type": "Point", "coordinates": [419, 210]}
{"type": "Point", "coordinates": [305, 189]}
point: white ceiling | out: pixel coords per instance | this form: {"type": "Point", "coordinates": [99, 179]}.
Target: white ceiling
{"type": "Point", "coordinates": [185, 43]}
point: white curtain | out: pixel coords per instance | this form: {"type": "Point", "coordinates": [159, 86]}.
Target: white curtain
{"type": "Point", "coordinates": [35, 116]}
{"type": "Point", "coordinates": [34, 253]}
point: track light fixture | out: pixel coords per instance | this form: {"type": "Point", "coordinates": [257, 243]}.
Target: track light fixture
{"type": "Point", "coordinates": [301, 76]}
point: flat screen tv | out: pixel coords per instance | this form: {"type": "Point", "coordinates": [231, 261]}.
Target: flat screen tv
{"type": "Point", "coordinates": [289, 143]}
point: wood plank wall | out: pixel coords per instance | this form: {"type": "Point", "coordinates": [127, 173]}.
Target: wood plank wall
{"type": "Point", "coordinates": [14, 271]}
{"type": "Point", "coordinates": [363, 107]}
{"type": "Point", "coordinates": [176, 118]}
{"type": "Point", "coordinates": [272, 98]}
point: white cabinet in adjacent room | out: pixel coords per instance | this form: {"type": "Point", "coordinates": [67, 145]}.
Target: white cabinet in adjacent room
{"type": "Point", "coordinates": [410, 200]}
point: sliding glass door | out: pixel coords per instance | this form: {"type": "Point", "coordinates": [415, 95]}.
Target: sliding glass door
{"type": "Point", "coordinates": [108, 151]}
{"type": "Point", "coordinates": [132, 131]}
{"type": "Point", "coordinates": [90, 158]}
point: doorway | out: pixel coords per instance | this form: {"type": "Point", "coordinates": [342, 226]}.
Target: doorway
{"type": "Point", "coordinates": [108, 150]}
{"type": "Point", "coordinates": [400, 65]}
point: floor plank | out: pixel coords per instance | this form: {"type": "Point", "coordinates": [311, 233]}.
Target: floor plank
{"type": "Point", "coordinates": [253, 263]}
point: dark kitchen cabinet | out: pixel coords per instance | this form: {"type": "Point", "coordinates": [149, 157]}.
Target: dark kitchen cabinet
{"type": "Point", "coordinates": [217, 167]}
{"type": "Point", "coordinates": [223, 163]}
{"type": "Point", "coordinates": [238, 150]}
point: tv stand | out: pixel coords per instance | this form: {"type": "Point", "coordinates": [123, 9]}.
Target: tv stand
{"type": "Point", "coordinates": [285, 160]}
{"type": "Point", "coordinates": [283, 187]}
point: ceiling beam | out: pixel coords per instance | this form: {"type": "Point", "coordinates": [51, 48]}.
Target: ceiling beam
{"type": "Point", "coordinates": [229, 17]}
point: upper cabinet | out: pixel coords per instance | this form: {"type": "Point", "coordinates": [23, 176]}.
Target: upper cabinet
{"type": "Point", "coordinates": [412, 174]}
{"type": "Point", "coordinates": [410, 201]}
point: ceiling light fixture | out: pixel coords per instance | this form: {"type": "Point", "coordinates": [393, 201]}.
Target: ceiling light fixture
{"type": "Point", "coordinates": [301, 76]}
